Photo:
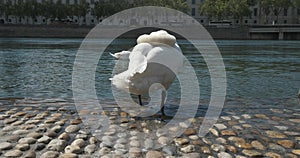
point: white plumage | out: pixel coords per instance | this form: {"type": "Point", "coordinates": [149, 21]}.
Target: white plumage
{"type": "Point", "coordinates": [155, 59]}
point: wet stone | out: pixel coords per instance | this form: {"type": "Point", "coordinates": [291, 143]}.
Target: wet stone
{"type": "Point", "coordinates": [21, 113]}
{"type": "Point", "coordinates": [217, 147]}
{"type": "Point", "coordinates": [214, 132]}
{"type": "Point", "coordinates": [276, 147]}
{"type": "Point", "coordinates": [274, 134]}
{"type": "Point", "coordinates": [13, 153]}
{"type": "Point", "coordinates": [243, 145]}
{"type": "Point", "coordinates": [291, 133]}
{"type": "Point", "coordinates": [5, 146]}
{"type": "Point", "coordinates": [122, 141]}
{"type": "Point", "coordinates": [283, 128]}
{"type": "Point", "coordinates": [51, 134]}
{"type": "Point", "coordinates": [193, 137]}
{"type": "Point", "coordinates": [104, 151]}
{"type": "Point", "coordinates": [134, 143]}
{"type": "Point", "coordinates": [23, 147]}
{"type": "Point", "coordinates": [228, 133]}
{"type": "Point", "coordinates": [35, 135]}
{"type": "Point", "coordinates": [17, 123]}
{"type": "Point", "coordinates": [224, 155]}
{"type": "Point", "coordinates": [154, 154]}
{"type": "Point", "coordinates": [272, 155]}
{"type": "Point", "coordinates": [44, 139]}
{"type": "Point", "coordinates": [64, 136]}
{"type": "Point", "coordinates": [39, 146]}
{"type": "Point", "coordinates": [181, 141]}
{"type": "Point", "coordinates": [296, 151]}
{"type": "Point", "coordinates": [30, 154]}
{"type": "Point", "coordinates": [73, 149]}
{"type": "Point", "coordinates": [9, 120]}
{"type": "Point", "coordinates": [89, 149]}
{"type": "Point", "coordinates": [72, 128]}
{"type": "Point", "coordinates": [68, 155]}
{"type": "Point", "coordinates": [220, 126]}
{"type": "Point", "coordinates": [50, 154]}
{"type": "Point", "coordinates": [295, 120]}
{"type": "Point", "coordinates": [231, 148]}
{"type": "Point", "coordinates": [79, 142]}
{"type": "Point", "coordinates": [261, 116]}
{"type": "Point", "coordinates": [149, 144]}
{"type": "Point", "coordinates": [163, 140]}
{"type": "Point", "coordinates": [93, 140]}
{"type": "Point", "coordinates": [191, 155]}
{"type": "Point", "coordinates": [221, 140]}
{"type": "Point", "coordinates": [170, 150]}
{"type": "Point", "coordinates": [188, 149]}
{"type": "Point", "coordinates": [56, 145]}
{"type": "Point", "coordinates": [252, 153]}
{"type": "Point", "coordinates": [258, 145]}
{"type": "Point", "coordinates": [190, 131]}
{"type": "Point", "coordinates": [286, 143]}
{"type": "Point", "coordinates": [56, 128]}
{"type": "Point", "coordinates": [28, 140]}
{"type": "Point", "coordinates": [206, 141]}
{"type": "Point", "coordinates": [246, 116]}
{"type": "Point", "coordinates": [205, 150]}
{"type": "Point", "coordinates": [76, 121]}
{"type": "Point", "coordinates": [135, 152]}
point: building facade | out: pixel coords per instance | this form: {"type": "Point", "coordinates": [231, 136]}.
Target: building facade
{"type": "Point", "coordinates": [287, 16]}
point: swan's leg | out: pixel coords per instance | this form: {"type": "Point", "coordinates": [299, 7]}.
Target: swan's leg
{"type": "Point", "coordinates": [163, 100]}
{"type": "Point", "coordinates": [140, 100]}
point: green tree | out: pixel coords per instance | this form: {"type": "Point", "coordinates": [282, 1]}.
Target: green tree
{"type": "Point", "coordinates": [217, 9]}
{"type": "Point", "coordinates": [48, 10]}
{"type": "Point", "coordinates": [239, 9]}
{"type": "Point", "coordinates": [279, 5]}
{"type": "Point", "coordinates": [81, 9]}
{"type": "Point", "coordinates": [296, 3]}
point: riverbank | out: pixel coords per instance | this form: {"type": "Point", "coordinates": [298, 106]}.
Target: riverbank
{"type": "Point", "coordinates": [69, 31]}
{"type": "Point", "coordinates": [217, 33]}
{"type": "Point", "coordinates": [52, 128]}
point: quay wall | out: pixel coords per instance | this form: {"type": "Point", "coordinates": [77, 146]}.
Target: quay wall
{"type": "Point", "coordinates": [63, 31]}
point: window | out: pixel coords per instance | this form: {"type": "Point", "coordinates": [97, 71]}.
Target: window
{"type": "Point", "coordinates": [285, 21]}
{"type": "Point", "coordinates": [92, 1]}
{"type": "Point", "coordinates": [255, 21]}
{"type": "Point", "coordinates": [75, 1]}
{"type": "Point", "coordinates": [246, 21]}
{"type": "Point", "coordinates": [237, 21]}
{"type": "Point", "coordinates": [92, 11]}
{"type": "Point", "coordinates": [201, 21]}
{"type": "Point", "coordinates": [298, 11]}
{"type": "Point", "coordinates": [255, 12]}
{"type": "Point", "coordinates": [285, 12]}
{"type": "Point", "coordinates": [193, 11]}
{"type": "Point", "coordinates": [193, 1]}
{"type": "Point", "coordinates": [67, 1]}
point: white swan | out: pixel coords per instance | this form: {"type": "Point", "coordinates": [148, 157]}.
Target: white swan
{"type": "Point", "coordinates": [155, 59]}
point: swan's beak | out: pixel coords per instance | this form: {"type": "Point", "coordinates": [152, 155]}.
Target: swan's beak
{"type": "Point", "coordinates": [113, 55]}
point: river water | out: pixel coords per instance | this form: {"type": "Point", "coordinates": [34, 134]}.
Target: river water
{"type": "Point", "coordinates": [259, 73]}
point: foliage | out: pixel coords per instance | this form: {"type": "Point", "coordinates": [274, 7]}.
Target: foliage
{"type": "Point", "coordinates": [222, 9]}
{"type": "Point", "coordinates": [296, 3]}
{"type": "Point", "coordinates": [47, 9]}
{"type": "Point", "coordinates": [102, 8]}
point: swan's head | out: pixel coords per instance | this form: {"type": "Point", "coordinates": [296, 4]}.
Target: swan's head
{"type": "Point", "coordinates": [121, 55]}
{"type": "Point", "coordinates": [158, 37]}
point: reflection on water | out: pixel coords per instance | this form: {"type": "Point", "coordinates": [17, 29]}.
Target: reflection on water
{"type": "Point", "coordinates": [256, 70]}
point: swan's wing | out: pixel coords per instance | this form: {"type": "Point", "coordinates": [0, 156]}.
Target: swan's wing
{"type": "Point", "coordinates": [137, 58]}
{"type": "Point", "coordinates": [168, 56]}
